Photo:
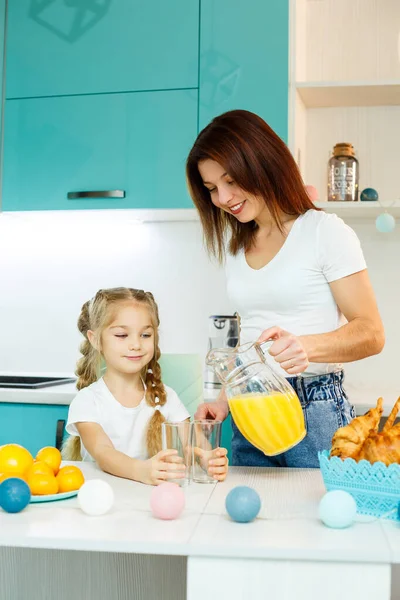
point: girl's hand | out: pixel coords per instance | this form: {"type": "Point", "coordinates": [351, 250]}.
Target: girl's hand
{"type": "Point", "coordinates": [215, 462]}
{"type": "Point", "coordinates": [287, 349]}
{"type": "Point", "coordinates": [163, 466]}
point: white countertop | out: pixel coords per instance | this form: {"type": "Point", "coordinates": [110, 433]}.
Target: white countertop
{"type": "Point", "coordinates": [287, 527]}
{"type": "Point", "coordinates": [55, 394]}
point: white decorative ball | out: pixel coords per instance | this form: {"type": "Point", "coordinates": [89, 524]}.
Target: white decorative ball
{"type": "Point", "coordinates": [96, 497]}
{"type": "Point", "coordinates": [337, 509]}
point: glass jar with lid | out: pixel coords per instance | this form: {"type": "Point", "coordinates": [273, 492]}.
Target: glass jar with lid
{"type": "Point", "coordinates": [343, 173]}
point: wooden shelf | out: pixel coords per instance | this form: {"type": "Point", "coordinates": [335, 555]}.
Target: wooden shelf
{"type": "Point", "coordinates": [329, 94]}
{"type": "Point", "coordinates": [360, 210]}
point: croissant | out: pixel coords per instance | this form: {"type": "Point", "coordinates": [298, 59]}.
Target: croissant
{"type": "Point", "coordinates": [348, 441]}
{"type": "Point", "coordinates": [384, 446]}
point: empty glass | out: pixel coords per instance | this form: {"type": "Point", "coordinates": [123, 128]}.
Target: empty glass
{"type": "Point", "coordinates": [177, 436]}
{"type": "Point", "coordinates": [206, 438]}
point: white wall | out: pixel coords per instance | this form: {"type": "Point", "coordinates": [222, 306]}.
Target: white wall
{"type": "Point", "coordinates": [381, 374]}
{"type": "Point", "coordinates": [51, 263]}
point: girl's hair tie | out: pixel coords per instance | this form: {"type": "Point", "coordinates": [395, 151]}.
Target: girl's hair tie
{"type": "Point", "coordinates": [157, 407]}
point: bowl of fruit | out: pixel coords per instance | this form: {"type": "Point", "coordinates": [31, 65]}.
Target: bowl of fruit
{"type": "Point", "coordinates": [44, 474]}
{"type": "Point", "coordinates": [365, 462]}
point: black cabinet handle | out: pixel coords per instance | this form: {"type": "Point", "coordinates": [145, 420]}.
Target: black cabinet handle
{"type": "Point", "coordinates": [60, 433]}
{"type": "Point", "coordinates": [96, 194]}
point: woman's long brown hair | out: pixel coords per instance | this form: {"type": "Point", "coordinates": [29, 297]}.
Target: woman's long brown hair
{"type": "Point", "coordinates": [259, 162]}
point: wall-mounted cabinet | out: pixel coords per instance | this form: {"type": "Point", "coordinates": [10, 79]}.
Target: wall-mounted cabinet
{"type": "Point", "coordinates": [61, 48]}
{"type": "Point", "coordinates": [244, 59]}
{"type": "Point", "coordinates": [2, 44]}
{"type": "Point", "coordinates": [135, 142]}
{"type": "Point", "coordinates": [111, 96]}
{"type": "Point", "coordinates": [345, 87]}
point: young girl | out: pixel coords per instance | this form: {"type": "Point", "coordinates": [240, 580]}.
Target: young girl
{"type": "Point", "coordinates": [116, 419]}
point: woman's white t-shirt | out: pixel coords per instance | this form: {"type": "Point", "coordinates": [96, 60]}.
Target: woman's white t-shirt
{"type": "Point", "coordinates": [292, 291]}
{"type": "Point", "coordinates": [126, 427]}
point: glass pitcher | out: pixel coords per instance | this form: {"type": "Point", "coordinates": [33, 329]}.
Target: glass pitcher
{"type": "Point", "coordinates": [263, 404]}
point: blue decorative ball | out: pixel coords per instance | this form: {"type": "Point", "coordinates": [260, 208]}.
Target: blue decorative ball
{"type": "Point", "coordinates": [15, 495]}
{"type": "Point", "coordinates": [385, 223]}
{"type": "Point", "coordinates": [337, 509]}
{"type": "Point", "coordinates": [369, 195]}
{"type": "Point", "coordinates": [243, 504]}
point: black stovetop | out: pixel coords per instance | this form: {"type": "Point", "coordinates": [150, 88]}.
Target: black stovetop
{"type": "Point", "coordinates": [32, 382]}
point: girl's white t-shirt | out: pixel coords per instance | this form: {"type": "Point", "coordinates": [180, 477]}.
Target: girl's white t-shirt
{"type": "Point", "coordinates": [126, 427]}
{"type": "Point", "coordinates": [292, 291]}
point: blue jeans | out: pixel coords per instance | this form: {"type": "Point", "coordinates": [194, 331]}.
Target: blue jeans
{"type": "Point", "coordinates": [325, 408]}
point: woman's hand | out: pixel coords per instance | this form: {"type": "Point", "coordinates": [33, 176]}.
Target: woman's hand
{"type": "Point", "coordinates": [215, 462]}
{"type": "Point", "coordinates": [287, 349]}
{"type": "Point", "coordinates": [217, 410]}
{"type": "Point", "coordinates": [163, 466]}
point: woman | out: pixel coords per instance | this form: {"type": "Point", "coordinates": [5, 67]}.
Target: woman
{"type": "Point", "coordinates": [295, 275]}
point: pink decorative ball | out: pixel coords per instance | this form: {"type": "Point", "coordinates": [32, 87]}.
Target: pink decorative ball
{"type": "Point", "coordinates": [167, 501]}
{"type": "Point", "coordinates": [312, 192]}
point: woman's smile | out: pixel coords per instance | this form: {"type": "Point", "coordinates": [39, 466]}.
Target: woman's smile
{"type": "Point", "coordinates": [237, 208]}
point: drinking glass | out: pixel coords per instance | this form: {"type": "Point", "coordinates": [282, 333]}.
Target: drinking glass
{"type": "Point", "coordinates": [177, 436]}
{"type": "Point", "coordinates": [206, 438]}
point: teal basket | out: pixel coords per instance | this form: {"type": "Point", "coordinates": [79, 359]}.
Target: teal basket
{"type": "Point", "coordinates": [374, 487]}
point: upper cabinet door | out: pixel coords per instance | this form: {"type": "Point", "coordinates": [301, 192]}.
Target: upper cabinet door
{"type": "Point", "coordinates": [61, 47]}
{"type": "Point", "coordinates": [136, 143]}
{"type": "Point", "coordinates": [244, 59]}
{"type": "Point", "coordinates": [2, 23]}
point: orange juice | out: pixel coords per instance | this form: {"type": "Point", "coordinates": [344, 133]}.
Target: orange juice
{"type": "Point", "coordinates": [272, 423]}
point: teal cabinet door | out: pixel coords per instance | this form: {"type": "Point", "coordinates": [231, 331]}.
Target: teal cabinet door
{"type": "Point", "coordinates": [57, 47]}
{"type": "Point", "coordinates": [244, 60]}
{"type": "Point", "coordinates": [134, 142]}
{"type": "Point", "coordinates": [2, 32]}
{"type": "Point", "coordinates": [32, 425]}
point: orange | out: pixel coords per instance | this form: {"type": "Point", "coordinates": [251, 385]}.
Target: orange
{"type": "Point", "coordinates": [69, 479]}
{"type": "Point", "coordinates": [39, 467]}
{"type": "Point", "coordinates": [5, 476]}
{"type": "Point", "coordinates": [50, 456]}
{"type": "Point", "coordinates": [42, 484]}
{"type": "Point", "coordinates": [14, 459]}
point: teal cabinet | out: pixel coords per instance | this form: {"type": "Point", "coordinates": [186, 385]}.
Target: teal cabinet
{"type": "Point", "coordinates": [136, 142]}
{"type": "Point", "coordinates": [2, 38]}
{"type": "Point", "coordinates": [244, 49]}
{"type": "Point", "coordinates": [58, 47]}
{"type": "Point", "coordinates": [32, 425]}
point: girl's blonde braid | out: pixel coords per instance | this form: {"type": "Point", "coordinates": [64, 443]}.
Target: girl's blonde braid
{"type": "Point", "coordinates": [87, 369]}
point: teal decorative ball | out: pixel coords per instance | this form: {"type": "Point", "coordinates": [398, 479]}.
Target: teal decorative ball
{"type": "Point", "coordinates": [369, 195]}
{"type": "Point", "coordinates": [15, 495]}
